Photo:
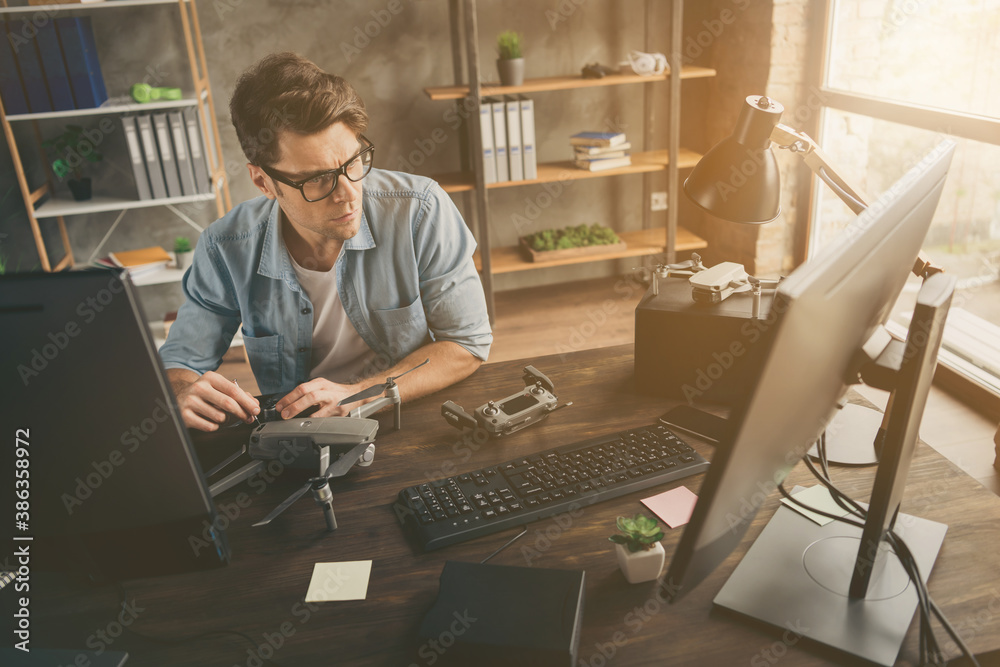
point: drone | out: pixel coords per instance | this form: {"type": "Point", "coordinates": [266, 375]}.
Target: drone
{"type": "Point", "coordinates": [330, 445]}
{"type": "Point", "coordinates": [713, 285]}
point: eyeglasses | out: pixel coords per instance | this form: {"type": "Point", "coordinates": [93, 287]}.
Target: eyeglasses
{"type": "Point", "coordinates": [322, 185]}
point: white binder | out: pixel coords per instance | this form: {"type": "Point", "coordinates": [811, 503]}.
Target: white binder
{"type": "Point", "coordinates": [500, 141]}
{"type": "Point", "coordinates": [528, 150]}
{"type": "Point", "coordinates": [489, 152]}
{"type": "Point", "coordinates": [513, 107]}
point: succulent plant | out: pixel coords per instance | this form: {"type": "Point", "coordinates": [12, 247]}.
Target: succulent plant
{"type": "Point", "coordinates": [638, 533]}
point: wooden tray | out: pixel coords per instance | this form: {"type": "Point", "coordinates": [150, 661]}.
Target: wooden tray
{"type": "Point", "coordinates": [532, 255]}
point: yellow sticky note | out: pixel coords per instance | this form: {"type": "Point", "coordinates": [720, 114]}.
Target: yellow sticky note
{"type": "Point", "coordinates": [819, 498]}
{"type": "Point", "coordinates": [339, 581]}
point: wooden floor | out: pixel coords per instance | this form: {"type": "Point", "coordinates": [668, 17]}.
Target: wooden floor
{"type": "Point", "coordinates": [598, 313]}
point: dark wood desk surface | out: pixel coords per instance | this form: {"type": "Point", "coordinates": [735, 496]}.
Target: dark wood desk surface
{"type": "Point", "coordinates": [261, 593]}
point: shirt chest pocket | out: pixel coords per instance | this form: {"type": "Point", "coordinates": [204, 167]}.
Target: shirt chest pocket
{"type": "Point", "coordinates": [402, 330]}
{"type": "Point", "coordinates": [265, 354]}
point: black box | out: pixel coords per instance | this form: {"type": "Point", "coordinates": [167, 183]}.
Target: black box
{"type": "Point", "coordinates": [697, 351]}
{"type": "Point", "coordinates": [500, 615]}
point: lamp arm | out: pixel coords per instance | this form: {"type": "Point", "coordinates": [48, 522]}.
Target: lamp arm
{"type": "Point", "coordinates": [819, 162]}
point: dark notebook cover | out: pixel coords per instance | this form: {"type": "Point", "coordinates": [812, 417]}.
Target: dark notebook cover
{"type": "Point", "coordinates": [499, 614]}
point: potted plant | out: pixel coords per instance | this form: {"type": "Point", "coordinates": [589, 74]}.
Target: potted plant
{"type": "Point", "coordinates": [74, 150]}
{"type": "Point", "coordinates": [510, 64]}
{"type": "Point", "coordinates": [637, 546]}
{"type": "Point", "coordinates": [182, 252]}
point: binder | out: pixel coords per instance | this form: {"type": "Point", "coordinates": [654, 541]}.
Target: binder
{"type": "Point", "coordinates": [82, 65]}
{"type": "Point", "coordinates": [489, 154]}
{"type": "Point", "coordinates": [54, 67]}
{"type": "Point", "coordinates": [14, 100]}
{"type": "Point", "coordinates": [135, 157]}
{"type": "Point", "coordinates": [30, 65]}
{"type": "Point", "coordinates": [202, 180]}
{"type": "Point", "coordinates": [500, 141]}
{"type": "Point", "coordinates": [528, 152]}
{"type": "Point", "coordinates": [167, 160]}
{"type": "Point", "coordinates": [152, 156]}
{"type": "Point", "coordinates": [513, 107]}
{"type": "Point", "coordinates": [184, 167]}
{"type": "Point", "coordinates": [209, 144]}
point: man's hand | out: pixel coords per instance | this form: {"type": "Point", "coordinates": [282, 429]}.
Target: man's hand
{"type": "Point", "coordinates": [321, 392]}
{"type": "Point", "coordinates": [449, 363]}
{"type": "Point", "coordinates": [207, 400]}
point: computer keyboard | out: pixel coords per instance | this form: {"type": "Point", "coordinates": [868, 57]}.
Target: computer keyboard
{"type": "Point", "coordinates": [459, 508]}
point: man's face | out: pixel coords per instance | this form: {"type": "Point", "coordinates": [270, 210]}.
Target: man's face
{"type": "Point", "coordinates": [338, 217]}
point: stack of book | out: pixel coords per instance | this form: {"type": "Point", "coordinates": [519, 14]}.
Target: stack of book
{"type": "Point", "coordinates": [596, 151]}
{"type": "Point", "coordinates": [137, 262]}
{"type": "Point", "coordinates": [55, 70]}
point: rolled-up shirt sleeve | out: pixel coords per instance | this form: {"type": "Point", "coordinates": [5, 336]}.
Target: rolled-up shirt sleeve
{"type": "Point", "coordinates": [209, 318]}
{"type": "Point", "coordinates": [450, 288]}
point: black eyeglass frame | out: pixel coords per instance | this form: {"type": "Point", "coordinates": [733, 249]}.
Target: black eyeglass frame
{"type": "Point", "coordinates": [337, 173]}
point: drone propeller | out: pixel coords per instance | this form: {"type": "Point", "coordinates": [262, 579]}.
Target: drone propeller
{"type": "Point", "coordinates": [338, 468]}
{"type": "Point", "coordinates": [377, 389]}
{"type": "Point", "coordinates": [694, 265]}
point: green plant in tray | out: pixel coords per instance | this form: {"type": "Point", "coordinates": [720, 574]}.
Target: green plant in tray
{"type": "Point", "coordinates": [580, 236]}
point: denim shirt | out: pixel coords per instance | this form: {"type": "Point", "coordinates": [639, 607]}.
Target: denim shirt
{"type": "Point", "coordinates": [406, 278]}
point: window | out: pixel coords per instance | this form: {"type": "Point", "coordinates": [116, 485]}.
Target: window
{"type": "Point", "coordinates": [899, 76]}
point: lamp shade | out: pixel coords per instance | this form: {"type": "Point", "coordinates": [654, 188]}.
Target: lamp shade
{"type": "Point", "coordinates": [738, 180]}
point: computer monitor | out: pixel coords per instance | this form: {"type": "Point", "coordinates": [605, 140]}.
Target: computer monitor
{"type": "Point", "coordinates": [113, 486]}
{"type": "Point", "coordinates": [828, 324]}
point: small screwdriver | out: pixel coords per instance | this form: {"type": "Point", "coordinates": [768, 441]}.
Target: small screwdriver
{"type": "Point", "coordinates": [257, 421]}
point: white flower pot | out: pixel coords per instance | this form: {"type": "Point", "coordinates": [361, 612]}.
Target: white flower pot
{"type": "Point", "coordinates": [640, 566]}
{"type": "Point", "coordinates": [183, 259]}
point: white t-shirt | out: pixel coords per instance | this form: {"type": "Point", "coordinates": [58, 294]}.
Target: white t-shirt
{"type": "Point", "coordinates": [339, 354]}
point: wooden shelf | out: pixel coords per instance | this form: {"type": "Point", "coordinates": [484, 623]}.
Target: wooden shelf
{"type": "Point", "coordinates": [639, 243]}
{"type": "Point", "coordinates": [562, 83]}
{"type": "Point", "coordinates": [462, 181]}
{"type": "Point", "coordinates": [65, 207]}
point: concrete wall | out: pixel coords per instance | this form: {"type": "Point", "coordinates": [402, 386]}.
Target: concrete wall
{"type": "Point", "coordinates": [390, 50]}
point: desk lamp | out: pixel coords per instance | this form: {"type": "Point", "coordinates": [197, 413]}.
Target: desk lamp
{"type": "Point", "coordinates": [738, 181]}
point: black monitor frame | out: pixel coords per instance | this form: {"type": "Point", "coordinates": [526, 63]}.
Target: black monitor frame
{"type": "Point", "coordinates": [116, 489]}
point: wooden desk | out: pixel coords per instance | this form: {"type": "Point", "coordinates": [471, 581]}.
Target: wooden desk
{"type": "Point", "coordinates": [261, 593]}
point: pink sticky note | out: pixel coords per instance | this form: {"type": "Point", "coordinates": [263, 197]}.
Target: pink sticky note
{"type": "Point", "coordinates": [674, 507]}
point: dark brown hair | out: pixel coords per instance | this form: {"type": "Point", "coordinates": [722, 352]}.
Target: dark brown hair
{"type": "Point", "coordinates": [286, 92]}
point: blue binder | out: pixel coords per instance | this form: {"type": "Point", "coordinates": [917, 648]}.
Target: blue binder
{"type": "Point", "coordinates": [55, 67]}
{"type": "Point", "coordinates": [85, 78]}
{"type": "Point", "coordinates": [32, 75]}
{"type": "Point", "coordinates": [14, 100]}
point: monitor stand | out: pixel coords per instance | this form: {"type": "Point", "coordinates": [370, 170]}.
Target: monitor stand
{"type": "Point", "coordinates": [797, 574]}
{"type": "Point", "coordinates": [850, 437]}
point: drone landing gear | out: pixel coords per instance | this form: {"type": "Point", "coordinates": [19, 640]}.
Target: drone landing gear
{"type": "Point", "coordinates": [324, 498]}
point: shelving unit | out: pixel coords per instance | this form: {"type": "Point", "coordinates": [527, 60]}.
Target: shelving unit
{"type": "Point", "coordinates": [649, 240]}
{"type": "Point", "coordinates": [41, 203]}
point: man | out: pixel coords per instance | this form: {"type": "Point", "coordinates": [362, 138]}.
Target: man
{"type": "Point", "coordinates": [340, 274]}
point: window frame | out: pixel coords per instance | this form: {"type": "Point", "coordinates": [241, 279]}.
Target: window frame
{"type": "Point", "coordinates": [985, 129]}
